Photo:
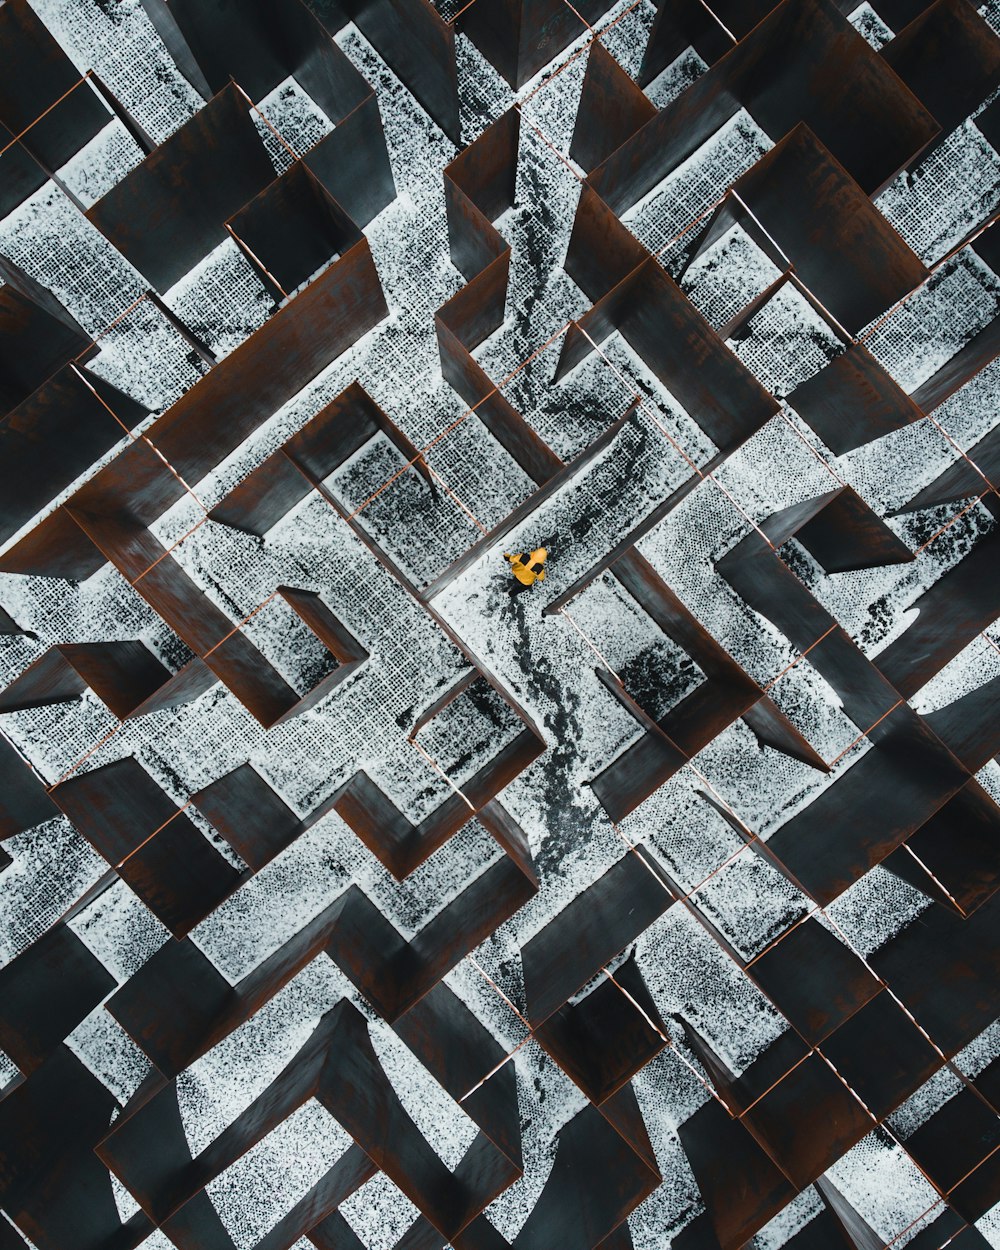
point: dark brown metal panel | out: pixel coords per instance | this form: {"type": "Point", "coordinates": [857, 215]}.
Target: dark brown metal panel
{"type": "Point", "coordinates": [44, 994]}
{"type": "Point", "coordinates": [973, 474]}
{"type": "Point", "coordinates": [349, 1173]}
{"type": "Point", "coordinates": [593, 928]}
{"type": "Point", "coordinates": [951, 613]}
{"type": "Point", "coordinates": [814, 980]}
{"type": "Point", "coordinates": [262, 44]}
{"type": "Point", "coordinates": [34, 344]}
{"type": "Point", "coordinates": [783, 1120]}
{"type": "Point", "coordinates": [353, 163]}
{"type": "Point", "coordinates": [772, 728]}
{"type": "Point", "coordinates": [24, 802]}
{"type": "Point", "coordinates": [254, 820]}
{"type": "Point", "coordinates": [169, 1006]}
{"type": "Point", "coordinates": [970, 727]}
{"type": "Point", "coordinates": [758, 575]}
{"type": "Point", "coordinates": [187, 684]}
{"type": "Point", "coordinates": [601, 1042]}
{"type": "Point", "coordinates": [806, 63]}
{"type": "Point", "coordinates": [168, 213]}
{"type": "Point", "coordinates": [689, 23]}
{"type": "Point", "coordinates": [122, 674]}
{"type": "Point", "coordinates": [115, 807]}
{"type": "Point", "coordinates": [961, 368]}
{"type": "Point", "coordinates": [461, 926]}
{"type": "Point", "coordinates": [460, 1053]}
{"type": "Point", "coordinates": [355, 1090]}
{"type": "Point", "coordinates": [955, 1140]}
{"type": "Point", "coordinates": [741, 1186]}
{"type": "Point", "coordinates": [842, 247]}
{"type": "Point", "coordinates": [596, 1180]}
{"type": "Point", "coordinates": [419, 46]}
{"type": "Point", "coordinates": [960, 846]}
{"type": "Point", "coordinates": [337, 432]}
{"type": "Point", "coordinates": [37, 73]}
{"type": "Point", "coordinates": [294, 227]}
{"type": "Point", "coordinates": [179, 875]}
{"type": "Point", "coordinates": [846, 534]}
{"type": "Point", "coordinates": [946, 971]}
{"type": "Point", "coordinates": [256, 683]}
{"type": "Point", "coordinates": [263, 497]}
{"type": "Point", "coordinates": [49, 679]}
{"type": "Point", "coordinates": [882, 1055]}
{"type": "Point", "coordinates": [853, 401]}
{"type": "Point", "coordinates": [252, 382]}
{"type": "Point", "coordinates": [842, 834]}
{"type": "Point", "coordinates": [20, 174]}
{"type": "Point", "coordinates": [165, 25]}
{"type": "Point", "coordinates": [135, 485]}
{"type": "Point", "coordinates": [503, 421]}
{"type": "Point", "coordinates": [802, 63]}
{"type": "Point", "coordinates": [665, 142]}
{"type": "Point", "coordinates": [53, 1186]}
{"type": "Point", "coordinates": [949, 57]}
{"type": "Point", "coordinates": [636, 773]}
{"type": "Point", "coordinates": [601, 252]}
{"type": "Point", "coordinates": [475, 311]}
{"type": "Point", "coordinates": [485, 171]}
{"type": "Point", "coordinates": [686, 354]}
{"type": "Point", "coordinates": [331, 632]}
{"type": "Point", "coordinates": [898, 13]}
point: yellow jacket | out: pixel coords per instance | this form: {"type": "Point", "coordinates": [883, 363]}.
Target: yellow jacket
{"type": "Point", "coordinates": [528, 571]}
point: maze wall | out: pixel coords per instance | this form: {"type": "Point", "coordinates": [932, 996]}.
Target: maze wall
{"type": "Point", "coordinates": [350, 901]}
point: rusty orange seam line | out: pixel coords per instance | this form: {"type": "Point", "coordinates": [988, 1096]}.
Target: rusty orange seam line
{"type": "Point", "coordinates": [150, 837]}
{"type": "Point", "coordinates": [702, 473]}
{"type": "Point", "coordinates": [590, 643]}
{"type": "Point", "coordinates": [100, 398]}
{"type": "Point", "coordinates": [885, 984]}
{"type": "Point", "coordinates": [156, 451]}
{"type": "Point", "coordinates": [801, 656]}
{"type": "Point", "coordinates": [632, 386]}
{"type": "Point", "coordinates": [712, 13]}
{"type": "Point", "coordinates": [239, 626]}
{"type": "Point", "coordinates": [468, 511]}
{"type": "Point", "coordinates": [939, 1202]}
{"type": "Point", "coordinates": [906, 847]}
{"type": "Point", "coordinates": [805, 442]}
{"type": "Point", "coordinates": [438, 769]}
{"type": "Point", "coordinates": [55, 104]}
{"type": "Point", "coordinates": [497, 387]}
{"type": "Point", "coordinates": [865, 732]}
{"type": "Point", "coordinates": [245, 246]}
{"type": "Point", "coordinates": [95, 339]}
{"type": "Point", "coordinates": [964, 454]}
{"type": "Point", "coordinates": [948, 524]}
{"type": "Point", "coordinates": [813, 911]}
{"type": "Point", "coordinates": [798, 1063]}
{"type": "Point", "coordinates": [638, 1006]}
{"type": "Point", "coordinates": [931, 272]}
{"type": "Point", "coordinates": [281, 139]}
{"type": "Point", "coordinates": [549, 144]}
{"type": "Point", "coordinates": [486, 977]}
{"type": "Point", "coordinates": [173, 547]}
{"type": "Point", "coordinates": [83, 758]}
{"type": "Point", "coordinates": [529, 1037]}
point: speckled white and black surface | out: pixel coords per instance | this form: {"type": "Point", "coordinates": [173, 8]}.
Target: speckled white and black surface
{"type": "Point", "coordinates": [547, 664]}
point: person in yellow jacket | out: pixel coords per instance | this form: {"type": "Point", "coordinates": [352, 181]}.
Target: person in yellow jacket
{"type": "Point", "coordinates": [527, 571]}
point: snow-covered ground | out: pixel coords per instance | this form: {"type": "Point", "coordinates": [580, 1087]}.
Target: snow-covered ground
{"type": "Point", "coordinates": [734, 902]}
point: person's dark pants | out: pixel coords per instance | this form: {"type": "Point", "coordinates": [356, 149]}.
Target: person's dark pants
{"type": "Point", "coordinates": [516, 587]}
